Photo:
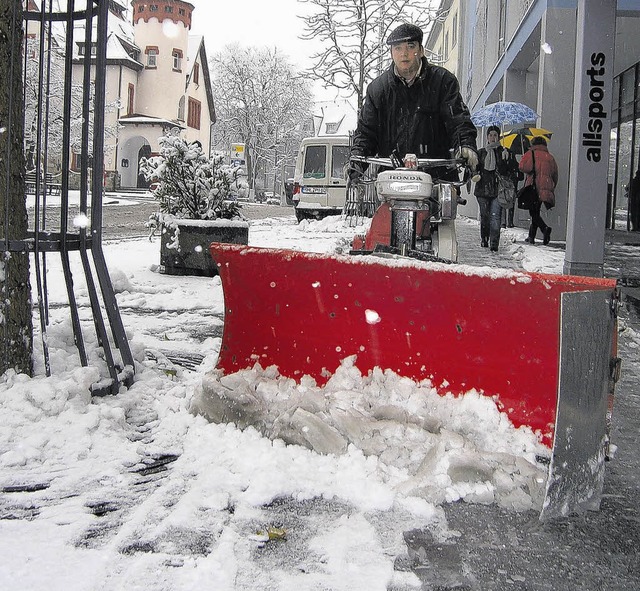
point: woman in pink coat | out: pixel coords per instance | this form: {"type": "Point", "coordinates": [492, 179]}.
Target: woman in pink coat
{"type": "Point", "coordinates": [546, 179]}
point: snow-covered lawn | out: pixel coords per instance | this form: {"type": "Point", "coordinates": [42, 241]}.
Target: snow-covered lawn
{"type": "Point", "coordinates": [139, 491]}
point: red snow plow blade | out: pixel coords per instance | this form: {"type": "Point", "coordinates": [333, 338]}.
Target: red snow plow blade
{"type": "Point", "coordinates": [542, 346]}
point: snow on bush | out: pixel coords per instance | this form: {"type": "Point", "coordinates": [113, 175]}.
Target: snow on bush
{"type": "Point", "coordinates": [190, 185]}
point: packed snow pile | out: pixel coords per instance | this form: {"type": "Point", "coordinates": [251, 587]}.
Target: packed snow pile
{"type": "Point", "coordinates": [441, 449]}
{"type": "Point", "coordinates": [100, 492]}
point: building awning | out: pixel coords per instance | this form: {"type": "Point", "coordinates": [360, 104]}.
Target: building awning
{"type": "Point", "coordinates": [145, 120]}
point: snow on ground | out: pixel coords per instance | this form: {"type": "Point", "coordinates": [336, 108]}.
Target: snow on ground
{"type": "Point", "coordinates": [121, 198]}
{"type": "Point", "coordinates": [139, 491]}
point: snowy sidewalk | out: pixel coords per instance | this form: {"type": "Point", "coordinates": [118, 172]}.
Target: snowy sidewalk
{"type": "Point", "coordinates": [135, 491]}
{"type": "Point", "coordinates": [501, 550]}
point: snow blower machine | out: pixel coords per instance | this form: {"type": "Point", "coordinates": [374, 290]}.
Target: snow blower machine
{"type": "Point", "coordinates": [542, 346]}
{"type": "Point", "coordinates": [415, 210]}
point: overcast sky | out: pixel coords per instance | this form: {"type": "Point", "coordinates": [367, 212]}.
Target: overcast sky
{"type": "Point", "coordinates": [253, 23]}
{"type": "Point", "coordinates": [257, 23]}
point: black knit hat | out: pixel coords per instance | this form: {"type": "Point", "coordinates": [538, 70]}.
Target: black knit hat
{"type": "Point", "coordinates": [405, 32]}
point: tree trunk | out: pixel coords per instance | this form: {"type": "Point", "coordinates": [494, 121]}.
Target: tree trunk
{"type": "Point", "coordinates": [16, 329]}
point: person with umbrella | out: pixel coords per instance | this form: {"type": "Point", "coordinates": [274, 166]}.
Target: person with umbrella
{"type": "Point", "coordinates": [503, 113]}
{"type": "Point", "coordinates": [541, 169]}
{"type": "Point", "coordinates": [519, 140]}
{"type": "Point", "coordinates": [494, 161]}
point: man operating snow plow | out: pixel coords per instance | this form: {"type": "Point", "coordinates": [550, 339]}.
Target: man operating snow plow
{"type": "Point", "coordinates": [460, 327]}
{"type": "Point", "coordinates": [542, 347]}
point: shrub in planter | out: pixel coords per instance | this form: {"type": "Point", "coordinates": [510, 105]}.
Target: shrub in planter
{"type": "Point", "coordinates": [197, 197]}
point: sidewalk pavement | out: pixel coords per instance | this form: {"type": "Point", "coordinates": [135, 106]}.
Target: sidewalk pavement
{"type": "Point", "coordinates": [621, 253]}
{"type": "Point", "coordinates": [596, 551]}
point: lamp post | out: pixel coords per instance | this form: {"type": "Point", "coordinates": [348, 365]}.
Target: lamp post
{"type": "Point", "coordinates": [275, 168]}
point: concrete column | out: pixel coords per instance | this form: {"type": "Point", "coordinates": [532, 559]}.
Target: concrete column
{"type": "Point", "coordinates": [591, 128]}
{"type": "Point", "coordinates": [554, 92]}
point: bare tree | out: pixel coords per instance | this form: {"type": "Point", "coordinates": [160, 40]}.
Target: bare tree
{"type": "Point", "coordinates": [15, 297]}
{"type": "Point", "coordinates": [353, 34]}
{"type": "Point", "coordinates": [261, 101]}
{"type": "Point", "coordinates": [44, 92]}
{"type": "Point", "coordinates": [43, 96]}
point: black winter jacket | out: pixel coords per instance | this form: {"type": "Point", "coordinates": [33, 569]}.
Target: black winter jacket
{"type": "Point", "coordinates": [487, 186]}
{"type": "Point", "coordinates": [428, 118]}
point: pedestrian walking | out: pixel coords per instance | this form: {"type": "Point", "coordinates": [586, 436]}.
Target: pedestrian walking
{"type": "Point", "coordinates": [540, 167]}
{"type": "Point", "coordinates": [494, 161]}
{"type": "Point", "coordinates": [634, 202]}
{"type": "Point", "coordinates": [508, 211]}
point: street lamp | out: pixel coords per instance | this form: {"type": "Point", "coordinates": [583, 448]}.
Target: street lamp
{"type": "Point", "coordinates": [274, 147]}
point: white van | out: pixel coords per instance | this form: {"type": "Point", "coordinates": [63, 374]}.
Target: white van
{"type": "Point", "coordinates": [320, 184]}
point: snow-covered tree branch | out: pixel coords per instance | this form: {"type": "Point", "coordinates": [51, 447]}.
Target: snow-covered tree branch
{"type": "Point", "coordinates": [44, 103]}
{"type": "Point", "coordinates": [261, 101]}
{"type": "Point", "coordinates": [353, 34]}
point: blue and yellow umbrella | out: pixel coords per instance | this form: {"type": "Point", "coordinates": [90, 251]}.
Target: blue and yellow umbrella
{"type": "Point", "coordinates": [519, 140]}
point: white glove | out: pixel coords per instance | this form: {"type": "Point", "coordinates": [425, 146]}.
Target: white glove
{"type": "Point", "coordinates": [505, 155]}
{"type": "Point", "coordinates": [469, 154]}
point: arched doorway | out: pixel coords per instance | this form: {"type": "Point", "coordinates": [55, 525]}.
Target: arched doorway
{"type": "Point", "coordinates": [143, 152]}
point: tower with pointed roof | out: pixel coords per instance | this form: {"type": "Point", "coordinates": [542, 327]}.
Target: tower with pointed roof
{"type": "Point", "coordinates": [161, 31]}
{"type": "Point", "coordinates": [161, 80]}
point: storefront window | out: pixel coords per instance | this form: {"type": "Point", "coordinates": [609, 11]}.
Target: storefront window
{"type": "Point", "coordinates": [624, 162]}
{"type": "Point", "coordinates": [625, 139]}
{"type": "Point", "coordinates": [636, 149]}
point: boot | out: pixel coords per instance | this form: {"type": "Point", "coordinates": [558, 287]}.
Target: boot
{"type": "Point", "coordinates": [547, 235]}
{"type": "Point", "coordinates": [532, 235]}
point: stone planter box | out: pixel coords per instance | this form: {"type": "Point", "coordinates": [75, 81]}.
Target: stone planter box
{"type": "Point", "coordinates": [184, 244]}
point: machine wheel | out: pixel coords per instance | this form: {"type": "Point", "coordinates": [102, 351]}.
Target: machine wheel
{"type": "Point", "coordinates": [444, 241]}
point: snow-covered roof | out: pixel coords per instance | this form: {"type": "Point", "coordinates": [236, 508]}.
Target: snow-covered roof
{"type": "Point", "coordinates": [119, 50]}
{"type": "Point", "coordinates": [194, 46]}
{"type": "Point", "coordinates": [337, 117]}
{"type": "Point", "coordinates": [122, 28]}
{"type": "Point", "coordinates": [146, 120]}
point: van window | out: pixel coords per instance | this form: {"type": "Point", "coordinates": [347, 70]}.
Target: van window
{"type": "Point", "coordinates": [339, 159]}
{"type": "Point", "coordinates": [315, 162]}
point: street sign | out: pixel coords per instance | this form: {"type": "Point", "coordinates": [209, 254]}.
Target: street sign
{"type": "Point", "coordinates": [236, 153]}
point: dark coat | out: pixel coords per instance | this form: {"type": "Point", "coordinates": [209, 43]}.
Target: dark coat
{"type": "Point", "coordinates": [546, 173]}
{"type": "Point", "coordinates": [634, 202]}
{"type": "Point", "coordinates": [634, 188]}
{"type": "Point", "coordinates": [487, 186]}
{"type": "Point", "coordinates": [428, 118]}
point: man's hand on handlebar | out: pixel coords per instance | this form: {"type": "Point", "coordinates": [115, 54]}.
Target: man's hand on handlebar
{"type": "Point", "coordinates": [354, 172]}
{"type": "Point", "coordinates": [470, 156]}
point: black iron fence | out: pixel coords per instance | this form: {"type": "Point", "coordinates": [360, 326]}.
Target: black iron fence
{"type": "Point", "coordinates": [64, 65]}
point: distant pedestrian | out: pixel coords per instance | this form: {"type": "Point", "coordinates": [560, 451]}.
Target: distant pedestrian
{"type": "Point", "coordinates": [508, 213]}
{"type": "Point", "coordinates": [494, 159]}
{"type": "Point", "coordinates": [546, 179]}
{"type": "Point", "coordinates": [634, 202]}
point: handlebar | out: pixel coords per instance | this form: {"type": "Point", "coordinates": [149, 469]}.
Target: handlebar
{"type": "Point", "coordinates": [422, 162]}
{"type": "Point", "coordinates": [425, 163]}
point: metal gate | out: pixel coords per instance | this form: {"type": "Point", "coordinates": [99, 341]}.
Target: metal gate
{"type": "Point", "coordinates": [64, 66]}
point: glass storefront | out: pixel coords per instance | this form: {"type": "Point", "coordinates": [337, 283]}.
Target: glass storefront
{"type": "Point", "coordinates": [625, 145]}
